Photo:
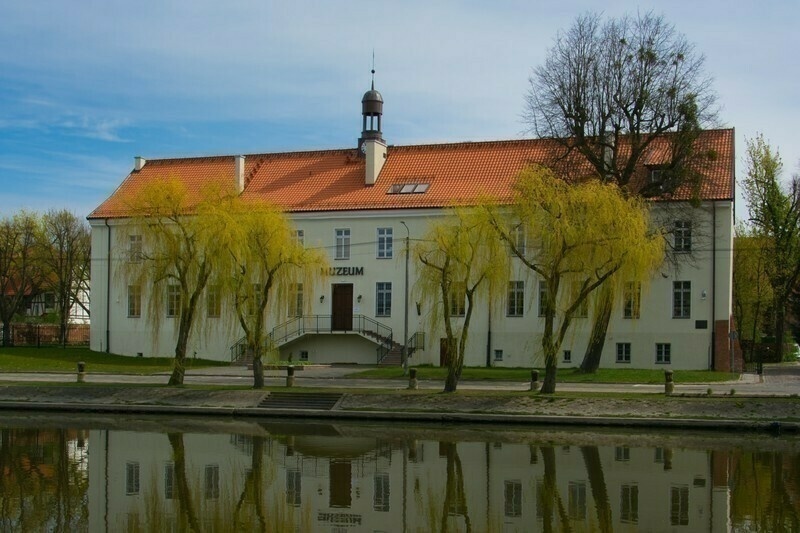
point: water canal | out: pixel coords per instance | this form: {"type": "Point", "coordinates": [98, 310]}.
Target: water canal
{"type": "Point", "coordinates": [103, 473]}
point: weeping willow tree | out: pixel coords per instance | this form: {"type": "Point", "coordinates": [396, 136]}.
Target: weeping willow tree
{"type": "Point", "coordinates": [575, 239]}
{"type": "Point", "coordinates": [263, 265]}
{"type": "Point", "coordinates": [460, 258]}
{"type": "Point", "coordinates": [172, 250]}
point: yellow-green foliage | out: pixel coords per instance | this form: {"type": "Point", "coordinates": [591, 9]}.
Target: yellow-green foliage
{"type": "Point", "coordinates": [179, 248]}
{"type": "Point", "coordinates": [459, 253]}
{"type": "Point", "coordinates": [261, 264]}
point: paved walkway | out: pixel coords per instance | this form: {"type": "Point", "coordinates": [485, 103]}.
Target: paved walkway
{"type": "Point", "coordinates": [777, 380]}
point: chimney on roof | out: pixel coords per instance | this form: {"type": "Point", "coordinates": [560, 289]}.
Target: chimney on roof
{"type": "Point", "coordinates": [239, 171]}
{"type": "Point", "coordinates": [375, 155]}
{"type": "Point", "coordinates": [138, 163]}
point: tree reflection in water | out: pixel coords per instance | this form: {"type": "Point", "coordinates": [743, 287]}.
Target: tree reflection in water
{"type": "Point", "coordinates": [269, 478]}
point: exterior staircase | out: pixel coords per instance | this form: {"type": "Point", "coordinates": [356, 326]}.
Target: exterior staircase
{"type": "Point", "coordinates": [301, 400]}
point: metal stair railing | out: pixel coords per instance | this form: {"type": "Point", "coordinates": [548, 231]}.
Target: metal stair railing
{"type": "Point", "coordinates": [301, 325]}
{"type": "Point", "coordinates": [416, 342]}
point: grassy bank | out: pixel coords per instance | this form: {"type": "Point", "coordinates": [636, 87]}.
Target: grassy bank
{"type": "Point", "coordinates": [56, 359]}
{"type": "Point", "coordinates": [566, 375]}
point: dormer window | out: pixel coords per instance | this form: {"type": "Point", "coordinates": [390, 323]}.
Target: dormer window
{"type": "Point", "coordinates": [656, 175]}
{"type": "Point", "coordinates": [408, 188]}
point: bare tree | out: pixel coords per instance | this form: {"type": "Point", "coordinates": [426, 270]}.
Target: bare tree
{"type": "Point", "coordinates": [65, 252]}
{"type": "Point", "coordinates": [20, 267]}
{"type": "Point", "coordinates": [614, 91]}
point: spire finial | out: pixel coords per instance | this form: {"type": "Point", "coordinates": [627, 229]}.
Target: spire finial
{"type": "Point", "coordinates": [373, 69]}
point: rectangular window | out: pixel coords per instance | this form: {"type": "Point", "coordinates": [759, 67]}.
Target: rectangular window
{"type": "Point", "coordinates": [458, 299]}
{"type": "Point", "coordinates": [542, 298]}
{"type": "Point", "coordinates": [134, 248]}
{"type": "Point", "coordinates": [623, 352]}
{"type": "Point", "coordinates": [663, 353]}
{"type": "Point", "coordinates": [517, 237]}
{"type": "Point", "coordinates": [513, 499]}
{"type": "Point", "coordinates": [296, 300]}
{"type": "Point", "coordinates": [631, 299]}
{"type": "Point", "coordinates": [629, 504]}
{"type": "Point", "coordinates": [622, 453]}
{"type": "Point", "coordinates": [212, 482]}
{"type": "Point", "coordinates": [516, 298]}
{"type": "Point", "coordinates": [383, 298]}
{"type": "Point", "coordinates": [380, 500]}
{"type": "Point", "coordinates": [384, 243]}
{"type": "Point", "coordinates": [132, 477]}
{"type": "Point", "coordinates": [213, 301]}
{"type": "Point", "coordinates": [567, 356]}
{"type": "Point", "coordinates": [293, 487]}
{"type": "Point", "coordinates": [169, 481]}
{"type": "Point", "coordinates": [134, 301]}
{"type": "Point", "coordinates": [681, 299]}
{"type": "Point", "coordinates": [342, 243]}
{"type": "Point", "coordinates": [577, 500]}
{"type": "Point", "coordinates": [299, 237]}
{"type": "Point", "coordinates": [683, 236]}
{"type": "Point", "coordinates": [498, 355]}
{"type": "Point", "coordinates": [679, 506]}
{"type": "Point", "coordinates": [173, 300]}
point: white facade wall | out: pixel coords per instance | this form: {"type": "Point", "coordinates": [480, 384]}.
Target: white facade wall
{"type": "Point", "coordinates": [708, 269]}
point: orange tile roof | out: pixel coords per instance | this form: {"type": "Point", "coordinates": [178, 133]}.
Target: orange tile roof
{"type": "Point", "coordinates": [333, 180]}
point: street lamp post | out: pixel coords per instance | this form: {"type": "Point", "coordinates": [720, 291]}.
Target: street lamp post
{"type": "Point", "coordinates": [404, 352]}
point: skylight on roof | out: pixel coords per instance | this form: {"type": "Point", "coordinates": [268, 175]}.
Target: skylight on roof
{"type": "Point", "coordinates": [408, 188]}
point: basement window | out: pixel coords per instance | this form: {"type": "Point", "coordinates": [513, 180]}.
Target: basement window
{"type": "Point", "coordinates": [408, 188]}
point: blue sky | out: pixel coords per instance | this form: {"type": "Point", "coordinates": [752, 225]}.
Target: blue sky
{"type": "Point", "coordinates": [88, 85]}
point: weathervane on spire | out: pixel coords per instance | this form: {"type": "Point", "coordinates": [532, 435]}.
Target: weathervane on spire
{"type": "Point", "coordinates": [373, 69]}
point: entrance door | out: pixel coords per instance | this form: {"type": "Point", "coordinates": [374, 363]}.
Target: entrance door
{"type": "Point", "coordinates": [342, 307]}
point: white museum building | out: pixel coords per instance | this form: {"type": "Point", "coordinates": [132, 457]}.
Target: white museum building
{"type": "Point", "coordinates": [364, 204]}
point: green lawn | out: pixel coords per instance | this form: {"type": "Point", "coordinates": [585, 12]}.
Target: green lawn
{"type": "Point", "coordinates": [604, 375]}
{"type": "Point", "coordinates": [55, 359]}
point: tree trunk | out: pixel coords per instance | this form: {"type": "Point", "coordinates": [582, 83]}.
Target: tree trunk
{"type": "Point", "coordinates": [597, 482]}
{"type": "Point", "coordinates": [258, 370]}
{"type": "Point", "coordinates": [549, 383]}
{"type": "Point", "coordinates": [597, 339]}
{"type": "Point", "coordinates": [179, 366]}
{"type": "Point", "coordinates": [780, 328]}
{"type": "Point", "coordinates": [7, 333]}
{"type": "Point", "coordinates": [185, 500]}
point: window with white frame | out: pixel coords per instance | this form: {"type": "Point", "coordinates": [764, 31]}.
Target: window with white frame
{"type": "Point", "coordinates": [567, 356]}
{"type": "Point", "coordinates": [683, 236]}
{"type": "Point", "coordinates": [296, 299]}
{"type": "Point", "coordinates": [498, 355]}
{"type": "Point", "coordinates": [169, 481]}
{"type": "Point", "coordinates": [681, 299]}
{"type": "Point", "coordinates": [679, 505]}
{"type": "Point", "coordinates": [385, 243]}
{"type": "Point", "coordinates": [383, 298]}
{"type": "Point", "coordinates": [212, 482]}
{"type": "Point", "coordinates": [516, 298]}
{"type": "Point", "coordinates": [622, 453]}
{"type": "Point", "coordinates": [542, 297]}
{"type": "Point", "coordinates": [299, 237]}
{"type": "Point", "coordinates": [135, 251]}
{"type": "Point", "coordinates": [629, 504]}
{"type": "Point", "coordinates": [293, 487]}
{"type": "Point", "coordinates": [342, 243]}
{"type": "Point", "coordinates": [173, 300]}
{"type": "Point", "coordinates": [513, 498]}
{"type": "Point", "coordinates": [134, 301]}
{"type": "Point", "coordinates": [623, 352]}
{"type": "Point", "coordinates": [458, 299]}
{"type": "Point", "coordinates": [576, 500]}
{"type": "Point", "coordinates": [380, 500]}
{"type": "Point", "coordinates": [663, 353]}
{"type": "Point", "coordinates": [213, 301]}
{"type": "Point", "coordinates": [132, 477]}
{"type": "Point", "coordinates": [631, 299]}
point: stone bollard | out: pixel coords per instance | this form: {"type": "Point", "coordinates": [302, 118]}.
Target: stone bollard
{"type": "Point", "coordinates": [534, 380]}
{"type": "Point", "coordinates": [412, 379]}
{"type": "Point", "coordinates": [669, 385]}
{"type": "Point", "coordinates": [290, 376]}
{"type": "Point", "coordinates": [81, 371]}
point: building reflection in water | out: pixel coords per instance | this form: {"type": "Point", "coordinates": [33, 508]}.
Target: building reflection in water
{"type": "Point", "coordinates": [311, 477]}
